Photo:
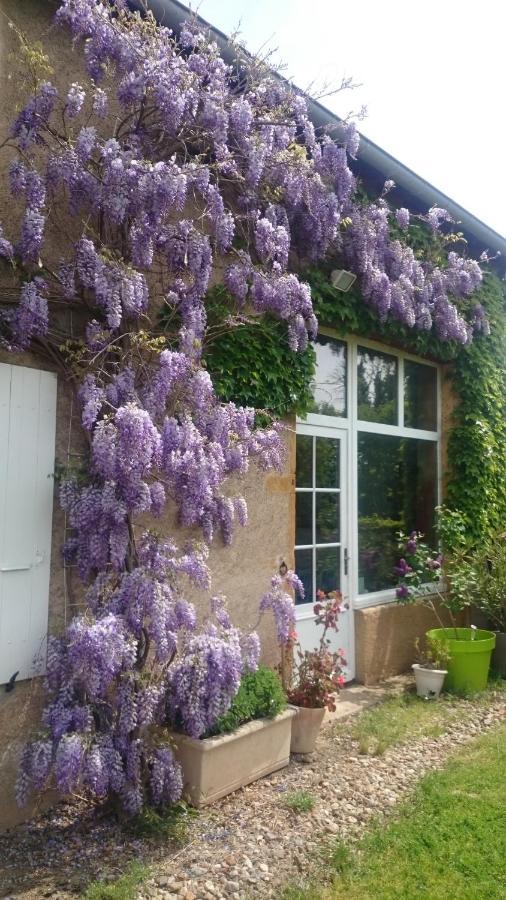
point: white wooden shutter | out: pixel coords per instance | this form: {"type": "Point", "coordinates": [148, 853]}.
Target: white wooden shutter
{"type": "Point", "coordinates": [27, 438]}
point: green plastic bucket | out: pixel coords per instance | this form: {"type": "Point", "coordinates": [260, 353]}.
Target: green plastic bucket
{"type": "Point", "coordinates": [470, 657]}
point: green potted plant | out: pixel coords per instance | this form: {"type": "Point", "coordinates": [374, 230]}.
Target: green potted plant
{"type": "Point", "coordinates": [316, 677]}
{"type": "Point", "coordinates": [490, 597]}
{"type": "Point", "coordinates": [228, 718]}
{"type": "Point", "coordinates": [430, 669]}
{"type": "Point", "coordinates": [250, 740]}
{"type": "Point", "coordinates": [450, 584]}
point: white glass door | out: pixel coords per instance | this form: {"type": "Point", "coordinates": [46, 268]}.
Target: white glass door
{"type": "Point", "coordinates": [321, 532]}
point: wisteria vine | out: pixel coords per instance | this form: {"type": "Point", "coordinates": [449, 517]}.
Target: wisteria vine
{"type": "Point", "coordinates": [166, 170]}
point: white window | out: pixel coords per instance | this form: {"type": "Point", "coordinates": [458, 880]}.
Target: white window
{"type": "Point", "coordinates": [386, 404]}
{"type": "Point", "coordinates": [27, 437]}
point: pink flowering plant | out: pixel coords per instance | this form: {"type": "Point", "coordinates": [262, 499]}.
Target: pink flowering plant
{"type": "Point", "coordinates": [317, 675]}
{"type": "Point", "coordinates": [163, 171]}
{"type": "Point", "coordinates": [434, 579]}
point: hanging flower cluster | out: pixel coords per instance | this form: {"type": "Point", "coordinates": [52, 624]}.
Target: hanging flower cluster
{"type": "Point", "coordinates": [167, 168]}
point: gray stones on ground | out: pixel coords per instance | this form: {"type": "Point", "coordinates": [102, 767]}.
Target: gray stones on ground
{"type": "Point", "coordinates": [250, 843]}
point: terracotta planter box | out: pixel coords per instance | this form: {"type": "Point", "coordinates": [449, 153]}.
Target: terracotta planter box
{"type": "Point", "coordinates": [214, 767]}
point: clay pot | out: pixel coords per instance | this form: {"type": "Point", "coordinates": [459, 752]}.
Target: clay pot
{"type": "Point", "coordinates": [305, 729]}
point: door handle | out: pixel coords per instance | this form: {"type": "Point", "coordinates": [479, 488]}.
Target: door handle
{"type": "Point", "coordinates": [346, 560]}
{"type": "Point", "coordinates": [15, 568]}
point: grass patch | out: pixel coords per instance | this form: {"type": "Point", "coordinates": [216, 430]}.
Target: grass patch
{"type": "Point", "coordinates": [300, 801]}
{"type": "Point", "coordinates": [124, 888]}
{"type": "Point", "coordinates": [447, 841]}
{"type": "Point", "coordinates": [170, 824]}
{"type": "Point", "coordinates": [399, 719]}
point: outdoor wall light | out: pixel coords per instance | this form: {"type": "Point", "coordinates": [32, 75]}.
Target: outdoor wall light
{"type": "Point", "coordinates": [342, 280]}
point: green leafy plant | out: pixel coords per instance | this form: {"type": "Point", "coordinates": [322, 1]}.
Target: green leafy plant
{"type": "Point", "coordinates": [260, 696]}
{"type": "Point", "coordinates": [300, 801]}
{"type": "Point", "coordinates": [251, 363]}
{"type": "Point", "coordinates": [425, 575]}
{"type": "Point", "coordinates": [433, 655]}
{"type": "Point", "coordinates": [169, 823]}
{"type": "Point", "coordinates": [489, 562]}
{"type": "Point", "coordinates": [124, 888]}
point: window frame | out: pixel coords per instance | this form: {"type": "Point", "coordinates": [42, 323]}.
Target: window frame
{"type": "Point", "coordinates": [352, 425]}
{"type": "Point", "coordinates": [305, 610]}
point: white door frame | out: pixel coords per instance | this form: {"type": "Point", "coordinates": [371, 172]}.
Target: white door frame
{"type": "Point", "coordinates": [304, 611]}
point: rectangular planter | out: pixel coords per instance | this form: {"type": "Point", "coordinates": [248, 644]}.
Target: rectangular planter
{"type": "Point", "coordinates": [216, 766]}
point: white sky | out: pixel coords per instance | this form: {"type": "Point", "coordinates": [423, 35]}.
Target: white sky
{"type": "Point", "coordinates": [432, 76]}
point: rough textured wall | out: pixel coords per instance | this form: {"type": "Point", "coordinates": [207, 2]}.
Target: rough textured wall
{"type": "Point", "coordinates": [385, 636]}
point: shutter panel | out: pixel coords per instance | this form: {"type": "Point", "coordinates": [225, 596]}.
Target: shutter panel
{"type": "Point", "coordinates": [27, 439]}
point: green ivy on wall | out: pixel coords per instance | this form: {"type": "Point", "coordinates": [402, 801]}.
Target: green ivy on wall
{"type": "Point", "coordinates": [477, 441]}
{"type": "Point", "coordinates": [253, 365]}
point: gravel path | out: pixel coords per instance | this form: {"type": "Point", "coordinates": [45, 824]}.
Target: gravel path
{"type": "Point", "coordinates": [248, 844]}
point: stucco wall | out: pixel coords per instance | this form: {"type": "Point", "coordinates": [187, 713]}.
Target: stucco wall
{"type": "Point", "coordinates": [385, 638]}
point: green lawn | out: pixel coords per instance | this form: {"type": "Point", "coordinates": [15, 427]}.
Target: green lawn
{"type": "Point", "coordinates": [448, 840]}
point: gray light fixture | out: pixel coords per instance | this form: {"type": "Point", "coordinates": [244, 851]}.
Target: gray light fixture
{"type": "Point", "coordinates": [342, 280]}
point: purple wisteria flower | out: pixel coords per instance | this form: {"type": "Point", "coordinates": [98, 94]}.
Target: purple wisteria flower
{"type": "Point", "coordinates": [187, 181]}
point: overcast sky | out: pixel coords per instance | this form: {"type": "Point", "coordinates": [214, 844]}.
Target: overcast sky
{"type": "Point", "coordinates": [433, 77]}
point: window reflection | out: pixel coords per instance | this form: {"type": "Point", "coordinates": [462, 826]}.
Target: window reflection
{"type": "Point", "coordinates": [397, 490]}
{"type": "Point", "coordinates": [304, 569]}
{"type": "Point", "coordinates": [329, 387]}
{"type": "Point", "coordinates": [327, 569]}
{"type": "Point", "coordinates": [376, 387]}
{"type": "Point", "coordinates": [327, 463]}
{"type": "Point", "coordinates": [420, 396]}
{"type": "Point", "coordinates": [304, 461]}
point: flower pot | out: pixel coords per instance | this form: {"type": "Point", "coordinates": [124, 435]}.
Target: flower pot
{"type": "Point", "coordinates": [499, 654]}
{"type": "Point", "coordinates": [470, 650]}
{"type": "Point", "coordinates": [216, 766]}
{"type": "Point", "coordinates": [429, 682]}
{"type": "Point", "coordinates": [305, 729]}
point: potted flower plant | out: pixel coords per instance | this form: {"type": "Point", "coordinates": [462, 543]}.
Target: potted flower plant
{"type": "Point", "coordinates": [317, 676]}
{"type": "Point", "coordinates": [451, 583]}
{"type": "Point", "coordinates": [228, 717]}
{"type": "Point", "coordinates": [430, 669]}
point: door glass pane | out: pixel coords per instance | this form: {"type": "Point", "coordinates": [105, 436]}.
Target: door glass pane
{"type": "Point", "coordinates": [327, 463]}
{"type": "Point", "coordinates": [304, 517]}
{"type": "Point", "coordinates": [376, 387]}
{"type": "Point", "coordinates": [304, 569]}
{"type": "Point", "coordinates": [328, 569]}
{"type": "Point", "coordinates": [304, 461]}
{"type": "Point", "coordinates": [397, 490]}
{"type": "Point", "coordinates": [327, 519]}
{"type": "Point", "coordinates": [420, 396]}
{"type": "Point", "coordinates": [329, 387]}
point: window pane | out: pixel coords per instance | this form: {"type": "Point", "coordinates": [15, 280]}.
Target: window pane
{"type": "Point", "coordinates": [304, 461]}
{"type": "Point", "coordinates": [327, 518]}
{"type": "Point", "coordinates": [397, 490]}
{"type": "Point", "coordinates": [304, 569]}
{"type": "Point", "coordinates": [376, 387]}
{"type": "Point", "coordinates": [303, 518]}
{"type": "Point", "coordinates": [329, 387]}
{"type": "Point", "coordinates": [327, 463]}
{"type": "Point", "coordinates": [420, 396]}
{"type": "Point", "coordinates": [328, 569]}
